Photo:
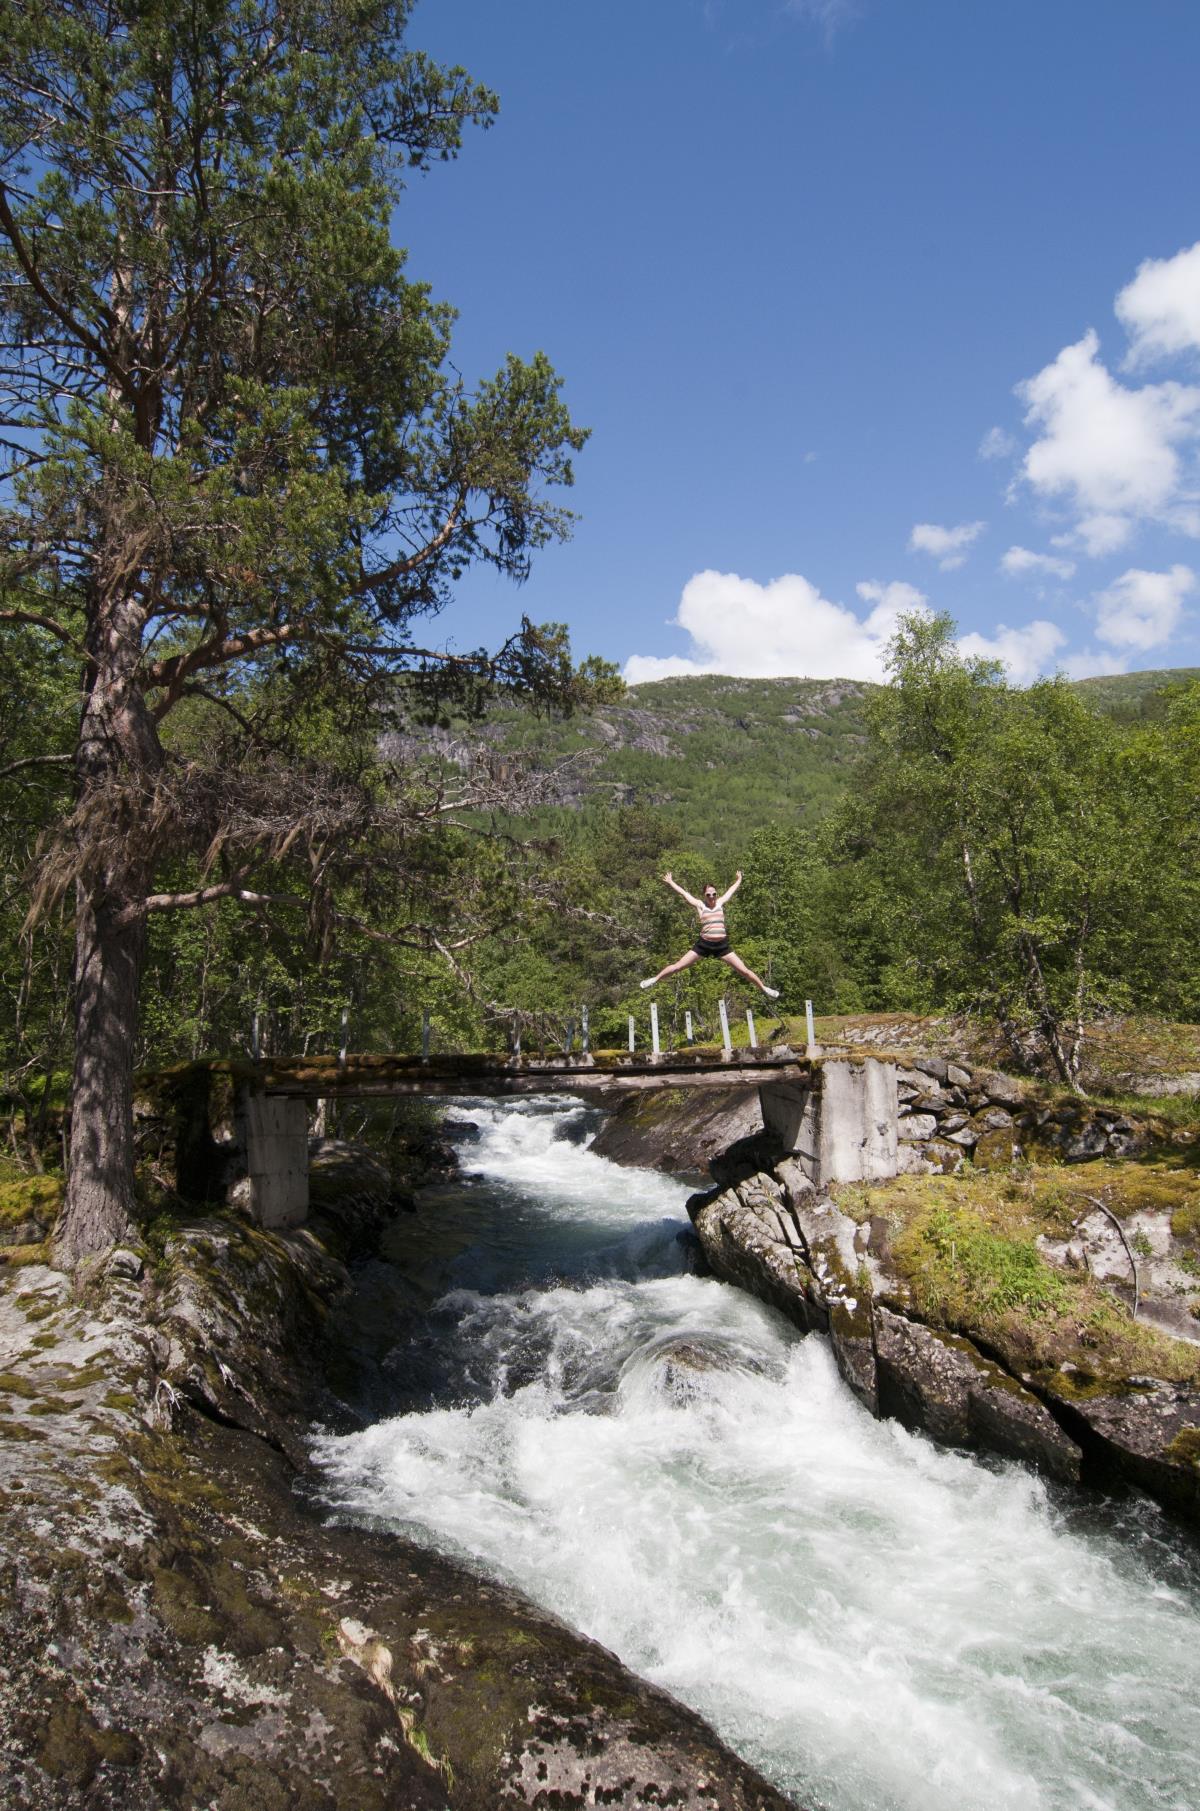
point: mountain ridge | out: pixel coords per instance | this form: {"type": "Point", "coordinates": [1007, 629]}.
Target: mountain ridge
{"type": "Point", "coordinates": [723, 755]}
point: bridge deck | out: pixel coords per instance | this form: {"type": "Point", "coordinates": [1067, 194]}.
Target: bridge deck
{"type": "Point", "coordinates": [600, 1074]}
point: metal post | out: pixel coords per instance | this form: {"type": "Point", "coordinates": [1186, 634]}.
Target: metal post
{"type": "Point", "coordinates": [583, 1036]}
{"type": "Point", "coordinates": [808, 1022]}
{"type": "Point", "coordinates": [725, 1038]}
{"type": "Point", "coordinates": [632, 1033]}
{"type": "Point", "coordinates": [687, 1026]}
{"type": "Point", "coordinates": [424, 1037]}
{"type": "Point", "coordinates": [751, 1030]}
{"type": "Point", "coordinates": [343, 1041]}
{"type": "Point", "coordinates": [654, 1050]}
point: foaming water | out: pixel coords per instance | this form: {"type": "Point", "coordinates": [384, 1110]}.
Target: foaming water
{"type": "Point", "coordinates": [875, 1623]}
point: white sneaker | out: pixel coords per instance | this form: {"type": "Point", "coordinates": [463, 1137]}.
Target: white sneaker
{"type": "Point", "coordinates": [772, 993]}
{"type": "Point", "coordinates": [650, 983]}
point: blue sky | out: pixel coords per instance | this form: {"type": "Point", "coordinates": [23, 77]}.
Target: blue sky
{"type": "Point", "coordinates": [865, 304]}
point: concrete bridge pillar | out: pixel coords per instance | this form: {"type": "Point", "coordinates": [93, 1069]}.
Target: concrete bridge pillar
{"type": "Point", "coordinates": [272, 1130]}
{"type": "Point", "coordinates": [841, 1122]}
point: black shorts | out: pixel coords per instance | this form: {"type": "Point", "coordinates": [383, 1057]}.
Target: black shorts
{"type": "Point", "coordinates": [722, 948]}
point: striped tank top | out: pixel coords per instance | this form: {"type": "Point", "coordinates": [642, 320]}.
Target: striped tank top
{"type": "Point", "coordinates": [712, 924]}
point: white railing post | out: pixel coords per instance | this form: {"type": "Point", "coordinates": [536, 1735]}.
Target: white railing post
{"type": "Point", "coordinates": [751, 1030]}
{"type": "Point", "coordinates": [344, 1040]}
{"type": "Point", "coordinates": [687, 1027]}
{"type": "Point", "coordinates": [725, 1038]}
{"type": "Point", "coordinates": [584, 1038]}
{"type": "Point", "coordinates": [654, 1050]}
{"type": "Point", "coordinates": [632, 1033]}
{"type": "Point", "coordinates": [808, 1024]}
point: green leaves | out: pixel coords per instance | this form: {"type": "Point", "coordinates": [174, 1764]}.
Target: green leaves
{"type": "Point", "coordinates": [1032, 845]}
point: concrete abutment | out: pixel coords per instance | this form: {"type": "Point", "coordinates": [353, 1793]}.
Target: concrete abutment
{"type": "Point", "coordinates": [840, 1121]}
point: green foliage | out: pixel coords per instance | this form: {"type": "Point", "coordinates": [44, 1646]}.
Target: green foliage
{"type": "Point", "coordinates": [1035, 852]}
{"type": "Point", "coordinates": [961, 1267]}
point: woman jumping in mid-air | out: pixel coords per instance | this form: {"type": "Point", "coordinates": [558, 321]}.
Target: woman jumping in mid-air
{"type": "Point", "coordinates": [713, 939]}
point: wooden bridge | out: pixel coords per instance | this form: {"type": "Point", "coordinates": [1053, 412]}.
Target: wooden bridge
{"type": "Point", "coordinates": [837, 1114]}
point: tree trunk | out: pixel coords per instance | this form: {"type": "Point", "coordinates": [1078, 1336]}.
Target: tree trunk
{"type": "Point", "coordinates": [110, 949]}
{"type": "Point", "coordinates": [116, 760]}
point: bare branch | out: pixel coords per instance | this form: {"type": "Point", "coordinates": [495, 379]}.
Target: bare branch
{"type": "Point", "coordinates": [35, 761]}
{"type": "Point", "coordinates": [31, 620]}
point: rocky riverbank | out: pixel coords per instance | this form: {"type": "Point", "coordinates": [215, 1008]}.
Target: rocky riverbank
{"type": "Point", "coordinates": [968, 1329]}
{"type": "Point", "coordinates": [1029, 1285]}
{"type": "Point", "coordinates": [181, 1631]}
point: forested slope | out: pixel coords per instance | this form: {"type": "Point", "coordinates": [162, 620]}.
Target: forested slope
{"type": "Point", "coordinates": [720, 758]}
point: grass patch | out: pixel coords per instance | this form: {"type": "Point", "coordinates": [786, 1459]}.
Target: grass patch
{"type": "Point", "coordinates": [965, 1251]}
{"type": "Point", "coordinates": [962, 1268]}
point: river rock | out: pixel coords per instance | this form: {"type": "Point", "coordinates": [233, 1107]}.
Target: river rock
{"type": "Point", "coordinates": [852, 1337]}
{"type": "Point", "coordinates": [681, 1363]}
{"type": "Point", "coordinates": [1147, 1434]}
{"type": "Point", "coordinates": [677, 1129]}
{"type": "Point", "coordinates": [740, 1249]}
{"type": "Point", "coordinates": [942, 1383]}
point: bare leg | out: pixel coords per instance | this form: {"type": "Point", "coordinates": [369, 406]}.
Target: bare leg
{"type": "Point", "coordinates": [735, 962]}
{"type": "Point", "coordinates": [674, 968]}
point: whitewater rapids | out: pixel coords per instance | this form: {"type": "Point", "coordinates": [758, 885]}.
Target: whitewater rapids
{"type": "Point", "coordinates": [876, 1624]}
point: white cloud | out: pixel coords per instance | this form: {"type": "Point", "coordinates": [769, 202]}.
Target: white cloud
{"type": "Point", "coordinates": [1093, 664]}
{"type": "Point", "coordinates": [1160, 308]}
{"type": "Point", "coordinates": [1026, 652]}
{"type": "Point", "coordinates": [997, 444]}
{"type": "Point", "coordinates": [1020, 559]}
{"type": "Point", "coordinates": [781, 629]}
{"type": "Point", "coordinates": [947, 545]}
{"type": "Point", "coordinates": [1110, 450]}
{"type": "Point", "coordinates": [1142, 609]}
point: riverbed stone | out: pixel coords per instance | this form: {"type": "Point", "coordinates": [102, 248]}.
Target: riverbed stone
{"type": "Point", "coordinates": [852, 1338]}
{"type": "Point", "coordinates": [941, 1383]}
{"type": "Point", "coordinates": [740, 1249]}
{"type": "Point", "coordinates": [1147, 1434]}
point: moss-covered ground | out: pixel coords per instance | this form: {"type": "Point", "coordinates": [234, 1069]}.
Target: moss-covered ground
{"type": "Point", "coordinates": [964, 1250]}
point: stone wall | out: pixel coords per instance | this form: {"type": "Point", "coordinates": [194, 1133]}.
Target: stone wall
{"type": "Point", "coordinates": [950, 1115]}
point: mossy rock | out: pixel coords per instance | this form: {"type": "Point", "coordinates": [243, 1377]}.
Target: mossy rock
{"type": "Point", "coordinates": [1186, 1446]}
{"type": "Point", "coordinates": [995, 1150]}
{"type": "Point", "coordinates": [29, 1206]}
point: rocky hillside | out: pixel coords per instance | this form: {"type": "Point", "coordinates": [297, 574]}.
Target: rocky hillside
{"type": "Point", "coordinates": [725, 756]}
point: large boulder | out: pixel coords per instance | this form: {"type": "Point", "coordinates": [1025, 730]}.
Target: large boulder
{"type": "Point", "coordinates": [1146, 1433]}
{"type": "Point", "coordinates": [742, 1231]}
{"type": "Point", "coordinates": [943, 1384]}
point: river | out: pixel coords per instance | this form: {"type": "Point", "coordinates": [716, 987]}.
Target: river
{"type": "Point", "coordinates": [875, 1623]}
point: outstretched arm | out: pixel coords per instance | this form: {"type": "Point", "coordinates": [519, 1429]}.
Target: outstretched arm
{"type": "Point", "coordinates": [682, 891]}
{"type": "Point", "coordinates": [728, 895]}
